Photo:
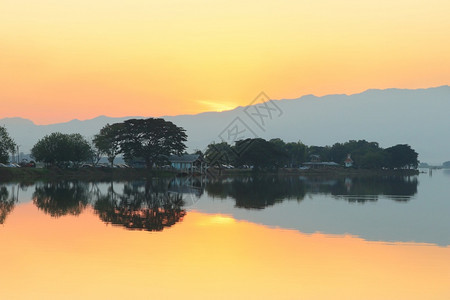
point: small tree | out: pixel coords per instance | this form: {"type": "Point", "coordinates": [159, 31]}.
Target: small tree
{"type": "Point", "coordinates": [96, 154]}
{"type": "Point", "coordinates": [219, 154]}
{"type": "Point", "coordinates": [80, 149]}
{"type": "Point", "coordinates": [61, 149]}
{"type": "Point", "coordinates": [296, 153]}
{"type": "Point", "coordinates": [7, 145]}
{"type": "Point", "coordinates": [260, 153]}
{"type": "Point", "coordinates": [108, 141]}
{"type": "Point", "coordinates": [373, 160]}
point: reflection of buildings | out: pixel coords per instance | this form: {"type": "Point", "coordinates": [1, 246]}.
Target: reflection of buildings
{"type": "Point", "coordinates": [348, 183]}
{"type": "Point", "coordinates": [318, 185]}
{"type": "Point", "coordinates": [323, 164]}
{"type": "Point", "coordinates": [358, 198]}
{"type": "Point", "coordinates": [316, 163]}
{"type": "Point", "coordinates": [190, 185]}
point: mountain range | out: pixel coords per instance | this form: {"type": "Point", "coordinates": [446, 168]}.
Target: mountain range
{"type": "Point", "coordinates": [418, 117]}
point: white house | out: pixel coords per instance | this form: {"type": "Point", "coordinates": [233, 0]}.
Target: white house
{"type": "Point", "coordinates": [348, 162]}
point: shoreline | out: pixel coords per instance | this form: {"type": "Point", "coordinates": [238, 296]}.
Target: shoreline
{"type": "Point", "coordinates": [334, 172]}
{"type": "Point", "coordinates": [108, 174]}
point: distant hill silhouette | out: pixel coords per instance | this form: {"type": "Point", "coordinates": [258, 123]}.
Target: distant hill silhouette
{"type": "Point", "coordinates": [417, 117]}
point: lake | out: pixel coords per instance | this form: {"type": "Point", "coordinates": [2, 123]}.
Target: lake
{"type": "Point", "coordinates": [260, 237]}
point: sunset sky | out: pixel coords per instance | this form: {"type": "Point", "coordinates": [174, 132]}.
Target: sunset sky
{"type": "Point", "coordinates": [61, 60]}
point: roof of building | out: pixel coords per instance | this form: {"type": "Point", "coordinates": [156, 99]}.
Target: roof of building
{"type": "Point", "coordinates": [348, 159]}
{"type": "Point", "coordinates": [324, 163]}
{"type": "Point", "coordinates": [185, 158]}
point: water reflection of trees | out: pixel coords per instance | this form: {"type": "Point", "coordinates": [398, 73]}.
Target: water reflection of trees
{"type": "Point", "coordinates": [6, 204]}
{"type": "Point", "coordinates": [144, 205]}
{"type": "Point", "coordinates": [260, 192]}
{"type": "Point", "coordinates": [257, 192]}
{"type": "Point", "coordinates": [9, 198]}
{"type": "Point", "coordinates": [61, 198]}
{"type": "Point", "coordinates": [157, 204]}
{"type": "Point", "coordinates": [147, 205]}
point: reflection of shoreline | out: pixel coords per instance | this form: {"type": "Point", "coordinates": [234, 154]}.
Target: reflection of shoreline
{"type": "Point", "coordinates": [371, 198]}
{"type": "Point", "coordinates": [334, 172]}
{"type": "Point", "coordinates": [446, 172]}
{"type": "Point", "coordinates": [262, 191]}
{"type": "Point", "coordinates": [307, 204]}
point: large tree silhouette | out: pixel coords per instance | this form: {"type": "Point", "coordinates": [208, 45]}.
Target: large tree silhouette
{"type": "Point", "coordinates": [151, 140]}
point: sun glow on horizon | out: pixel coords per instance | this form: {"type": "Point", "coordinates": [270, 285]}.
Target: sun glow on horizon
{"type": "Point", "coordinates": [216, 106]}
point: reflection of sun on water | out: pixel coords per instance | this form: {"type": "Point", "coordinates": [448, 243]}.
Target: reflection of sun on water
{"type": "Point", "coordinates": [216, 220]}
{"type": "Point", "coordinates": [82, 258]}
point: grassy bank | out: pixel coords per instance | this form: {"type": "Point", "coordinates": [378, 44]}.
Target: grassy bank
{"type": "Point", "coordinates": [85, 174]}
{"type": "Point", "coordinates": [108, 174]}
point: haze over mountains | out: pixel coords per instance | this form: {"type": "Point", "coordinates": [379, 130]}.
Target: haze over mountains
{"type": "Point", "coordinates": [417, 117]}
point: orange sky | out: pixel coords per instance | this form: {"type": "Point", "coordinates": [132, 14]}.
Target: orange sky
{"type": "Point", "coordinates": [61, 60]}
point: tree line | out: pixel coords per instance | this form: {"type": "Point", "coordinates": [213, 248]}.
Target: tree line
{"type": "Point", "coordinates": [275, 153]}
{"type": "Point", "coordinates": [153, 140]}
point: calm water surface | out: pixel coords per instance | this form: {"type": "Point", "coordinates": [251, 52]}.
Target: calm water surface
{"type": "Point", "coordinates": [240, 238]}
